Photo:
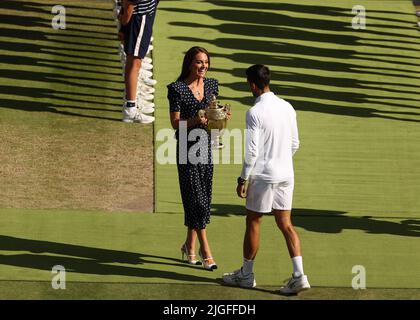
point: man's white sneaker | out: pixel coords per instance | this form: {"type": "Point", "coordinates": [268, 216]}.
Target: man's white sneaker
{"type": "Point", "coordinates": [133, 114]}
{"type": "Point", "coordinates": [145, 89]}
{"type": "Point", "coordinates": [236, 278]}
{"type": "Point", "coordinates": [129, 114]}
{"type": "Point", "coordinates": [143, 103]}
{"type": "Point", "coordinates": [148, 81]}
{"type": "Point", "coordinates": [147, 60]}
{"type": "Point", "coordinates": [145, 74]}
{"type": "Point", "coordinates": [147, 66]}
{"type": "Point", "coordinates": [295, 285]}
{"type": "Point", "coordinates": [145, 96]}
{"type": "Point", "coordinates": [143, 118]}
{"type": "Point", "coordinates": [146, 109]}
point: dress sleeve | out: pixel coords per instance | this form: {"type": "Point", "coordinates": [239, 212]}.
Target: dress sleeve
{"type": "Point", "coordinates": [174, 98]}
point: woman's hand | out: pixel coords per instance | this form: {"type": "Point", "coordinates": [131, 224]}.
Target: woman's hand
{"type": "Point", "coordinates": [191, 122]}
{"type": "Point", "coordinates": [201, 120]}
{"type": "Point", "coordinates": [228, 115]}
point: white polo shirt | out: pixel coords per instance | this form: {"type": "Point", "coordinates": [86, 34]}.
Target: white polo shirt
{"type": "Point", "coordinates": [271, 140]}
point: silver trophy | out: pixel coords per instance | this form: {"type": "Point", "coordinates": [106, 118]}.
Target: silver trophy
{"type": "Point", "coordinates": [217, 115]}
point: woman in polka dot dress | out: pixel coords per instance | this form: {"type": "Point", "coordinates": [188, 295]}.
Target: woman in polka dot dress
{"type": "Point", "coordinates": [190, 93]}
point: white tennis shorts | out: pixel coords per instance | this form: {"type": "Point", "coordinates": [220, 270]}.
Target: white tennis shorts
{"type": "Point", "coordinates": [263, 197]}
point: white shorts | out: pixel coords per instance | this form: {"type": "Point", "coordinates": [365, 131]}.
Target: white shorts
{"type": "Point", "coordinates": [263, 197]}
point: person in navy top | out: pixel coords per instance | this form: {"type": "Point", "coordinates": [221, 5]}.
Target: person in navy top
{"type": "Point", "coordinates": [137, 18]}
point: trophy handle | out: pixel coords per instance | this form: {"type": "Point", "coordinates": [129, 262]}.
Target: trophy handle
{"type": "Point", "coordinates": [227, 108]}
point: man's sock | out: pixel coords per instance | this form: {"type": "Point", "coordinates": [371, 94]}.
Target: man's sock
{"type": "Point", "coordinates": [130, 104]}
{"type": "Point", "coordinates": [247, 267]}
{"type": "Point", "coordinates": [297, 266]}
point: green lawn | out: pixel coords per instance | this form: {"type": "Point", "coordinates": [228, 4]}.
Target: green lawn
{"type": "Point", "coordinates": [63, 143]}
{"type": "Point", "coordinates": [127, 256]}
{"type": "Point", "coordinates": [356, 93]}
{"type": "Point", "coordinates": [75, 182]}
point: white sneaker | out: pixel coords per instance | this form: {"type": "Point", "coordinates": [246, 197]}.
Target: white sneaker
{"type": "Point", "coordinates": [148, 81]}
{"type": "Point", "coordinates": [133, 114]}
{"type": "Point", "coordinates": [143, 118]}
{"type": "Point", "coordinates": [146, 109]}
{"type": "Point", "coordinates": [236, 278]}
{"type": "Point", "coordinates": [145, 89]}
{"type": "Point", "coordinates": [145, 96]}
{"type": "Point", "coordinates": [146, 66]}
{"type": "Point", "coordinates": [145, 73]}
{"type": "Point", "coordinates": [129, 114]}
{"type": "Point", "coordinates": [117, 11]}
{"type": "Point", "coordinates": [296, 285]}
{"type": "Point", "coordinates": [123, 55]}
{"type": "Point", "coordinates": [144, 103]}
{"type": "Point", "coordinates": [147, 60]}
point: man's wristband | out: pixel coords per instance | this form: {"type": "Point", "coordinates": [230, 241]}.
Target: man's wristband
{"type": "Point", "coordinates": [241, 181]}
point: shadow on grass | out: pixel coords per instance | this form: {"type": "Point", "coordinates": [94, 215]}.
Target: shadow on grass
{"type": "Point", "coordinates": [37, 54]}
{"type": "Point", "coordinates": [338, 108]}
{"type": "Point", "coordinates": [87, 260]}
{"type": "Point", "coordinates": [274, 291]}
{"type": "Point", "coordinates": [49, 107]}
{"type": "Point", "coordinates": [329, 10]}
{"type": "Point", "coordinates": [323, 56]}
{"type": "Point", "coordinates": [42, 8]}
{"type": "Point", "coordinates": [328, 221]}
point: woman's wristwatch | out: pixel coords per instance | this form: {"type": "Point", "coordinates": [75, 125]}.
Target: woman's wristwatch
{"type": "Point", "coordinates": [241, 181]}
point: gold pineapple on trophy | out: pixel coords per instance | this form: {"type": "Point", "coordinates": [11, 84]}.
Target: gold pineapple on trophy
{"type": "Point", "coordinates": [217, 116]}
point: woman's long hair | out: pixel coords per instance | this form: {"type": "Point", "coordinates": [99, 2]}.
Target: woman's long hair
{"type": "Point", "coordinates": [188, 60]}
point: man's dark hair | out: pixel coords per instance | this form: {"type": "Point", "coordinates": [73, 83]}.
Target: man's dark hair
{"type": "Point", "coordinates": [259, 75]}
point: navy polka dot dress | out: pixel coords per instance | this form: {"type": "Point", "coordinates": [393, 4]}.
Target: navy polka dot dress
{"type": "Point", "coordinates": [195, 179]}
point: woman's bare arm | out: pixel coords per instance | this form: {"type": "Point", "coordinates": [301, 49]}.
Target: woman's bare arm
{"type": "Point", "coordinates": [176, 118]}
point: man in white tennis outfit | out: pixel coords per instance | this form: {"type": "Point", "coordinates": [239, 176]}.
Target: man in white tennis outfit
{"type": "Point", "coordinates": [267, 178]}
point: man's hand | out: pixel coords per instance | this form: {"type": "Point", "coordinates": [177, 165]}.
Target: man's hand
{"type": "Point", "coordinates": [241, 190]}
{"type": "Point", "coordinates": [121, 36]}
{"type": "Point", "coordinates": [127, 12]}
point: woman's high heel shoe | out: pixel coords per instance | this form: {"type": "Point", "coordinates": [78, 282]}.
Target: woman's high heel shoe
{"type": "Point", "coordinates": [190, 258]}
{"type": "Point", "coordinates": [206, 265]}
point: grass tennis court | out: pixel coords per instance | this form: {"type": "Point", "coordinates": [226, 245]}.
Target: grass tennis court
{"type": "Point", "coordinates": [77, 185]}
